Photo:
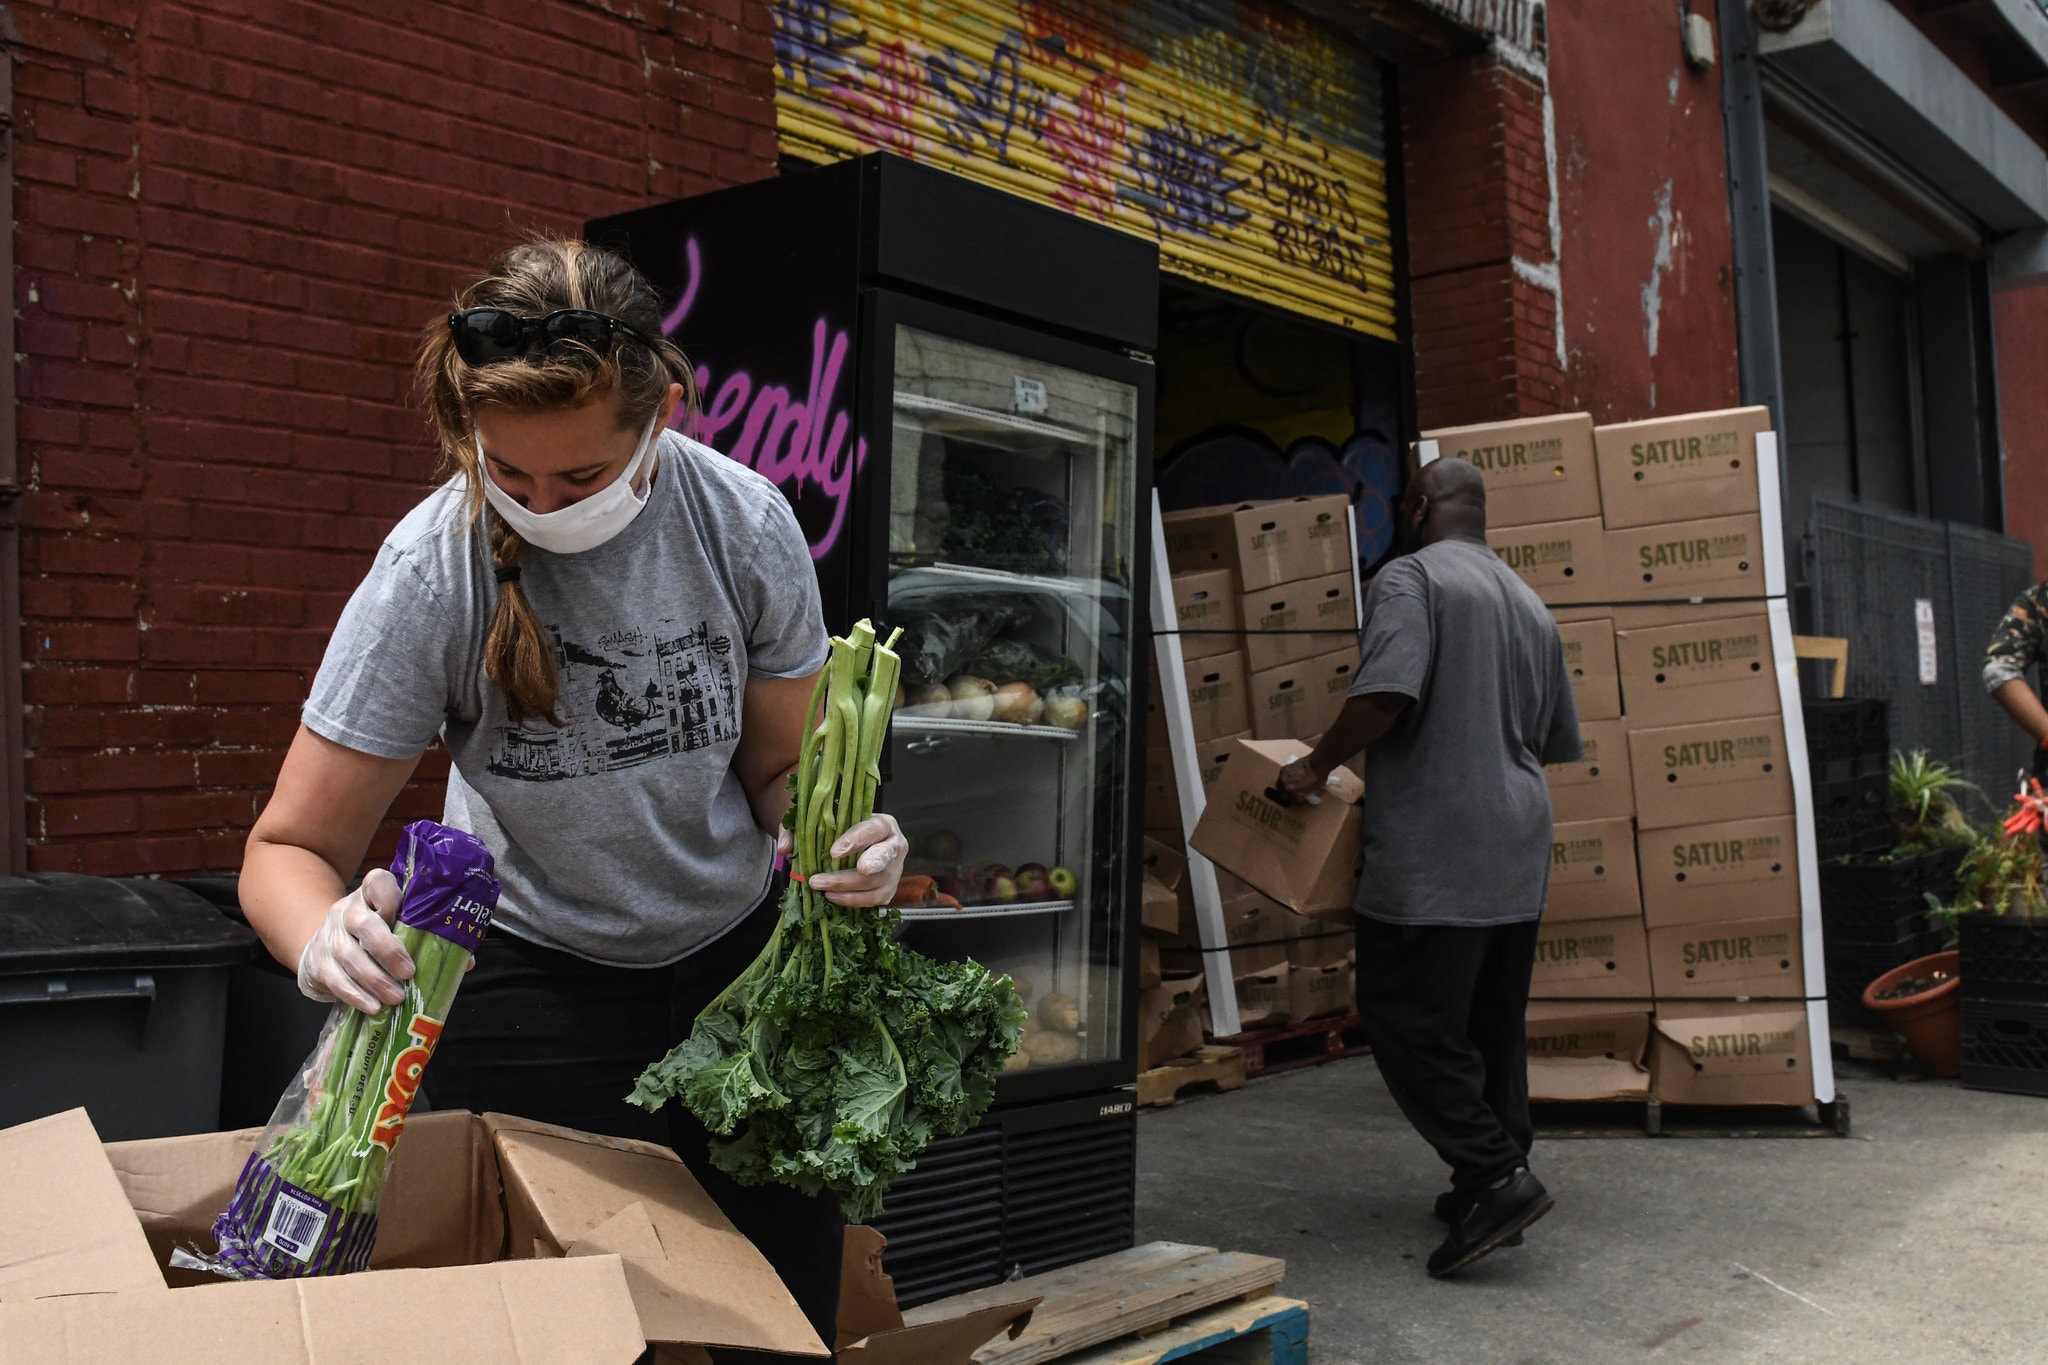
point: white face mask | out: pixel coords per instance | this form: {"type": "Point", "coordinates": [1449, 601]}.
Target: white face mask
{"type": "Point", "coordinates": [589, 522]}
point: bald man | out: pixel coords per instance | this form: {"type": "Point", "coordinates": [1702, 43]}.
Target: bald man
{"type": "Point", "coordinates": [1461, 697]}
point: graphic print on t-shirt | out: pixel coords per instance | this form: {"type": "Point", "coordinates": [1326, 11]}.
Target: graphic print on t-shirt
{"type": "Point", "coordinates": [627, 697]}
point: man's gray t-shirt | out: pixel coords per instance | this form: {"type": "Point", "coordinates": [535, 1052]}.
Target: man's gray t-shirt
{"type": "Point", "coordinates": [623, 836]}
{"type": "Point", "coordinates": [1457, 816]}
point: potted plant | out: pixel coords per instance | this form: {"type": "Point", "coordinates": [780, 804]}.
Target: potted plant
{"type": "Point", "coordinates": [1874, 907]}
{"type": "Point", "coordinates": [1921, 1002]}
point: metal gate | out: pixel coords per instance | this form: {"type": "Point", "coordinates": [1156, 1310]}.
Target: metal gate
{"type": "Point", "coordinates": [1248, 139]}
{"type": "Point", "coordinates": [1869, 570]}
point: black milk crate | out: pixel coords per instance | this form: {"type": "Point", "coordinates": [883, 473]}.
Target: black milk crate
{"type": "Point", "coordinates": [1850, 970]}
{"type": "Point", "coordinates": [1882, 903]}
{"type": "Point", "coordinates": [1850, 819]}
{"type": "Point", "coordinates": [1848, 727]}
{"type": "Point", "coordinates": [2005, 1047]}
{"type": "Point", "coordinates": [2005, 958]}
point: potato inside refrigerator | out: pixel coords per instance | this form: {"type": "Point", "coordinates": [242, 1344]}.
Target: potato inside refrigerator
{"type": "Point", "coordinates": [1010, 530]}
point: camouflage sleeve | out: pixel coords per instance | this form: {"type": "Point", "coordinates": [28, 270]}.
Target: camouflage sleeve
{"type": "Point", "coordinates": [2020, 639]}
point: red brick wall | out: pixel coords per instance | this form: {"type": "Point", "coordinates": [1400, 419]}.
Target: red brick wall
{"type": "Point", "coordinates": [1642, 165]}
{"type": "Point", "coordinates": [1478, 202]}
{"type": "Point", "coordinates": [231, 221]}
{"type": "Point", "coordinates": [2021, 318]}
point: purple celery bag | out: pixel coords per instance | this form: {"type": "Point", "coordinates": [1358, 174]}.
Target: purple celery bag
{"type": "Point", "coordinates": [272, 1229]}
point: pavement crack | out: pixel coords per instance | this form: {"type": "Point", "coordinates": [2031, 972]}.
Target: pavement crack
{"type": "Point", "coordinates": [1780, 1288]}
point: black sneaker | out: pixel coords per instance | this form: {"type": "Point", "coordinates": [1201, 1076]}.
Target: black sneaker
{"type": "Point", "coordinates": [1495, 1214]}
{"type": "Point", "coordinates": [1446, 1210]}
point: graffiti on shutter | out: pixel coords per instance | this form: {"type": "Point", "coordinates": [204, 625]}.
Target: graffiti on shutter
{"type": "Point", "coordinates": [1245, 138]}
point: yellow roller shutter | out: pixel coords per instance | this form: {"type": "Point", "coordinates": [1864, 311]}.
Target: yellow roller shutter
{"type": "Point", "coordinates": [1247, 139]}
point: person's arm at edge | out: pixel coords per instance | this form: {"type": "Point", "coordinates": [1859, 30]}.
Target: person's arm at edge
{"type": "Point", "coordinates": [2024, 706]}
{"type": "Point", "coordinates": [311, 836]}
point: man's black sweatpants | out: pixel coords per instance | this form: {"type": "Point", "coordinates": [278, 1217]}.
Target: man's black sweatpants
{"type": "Point", "coordinates": [1443, 1008]}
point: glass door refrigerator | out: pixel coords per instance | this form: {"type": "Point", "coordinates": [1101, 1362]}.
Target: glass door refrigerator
{"type": "Point", "coordinates": [953, 387]}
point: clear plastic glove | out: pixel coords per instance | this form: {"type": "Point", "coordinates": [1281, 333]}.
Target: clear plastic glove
{"type": "Point", "coordinates": [1301, 782]}
{"type": "Point", "coordinates": [871, 881]}
{"type": "Point", "coordinates": [354, 957]}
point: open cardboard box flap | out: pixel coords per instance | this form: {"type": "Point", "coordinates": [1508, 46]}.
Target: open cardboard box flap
{"type": "Point", "coordinates": [871, 1329]}
{"type": "Point", "coordinates": [65, 1225]}
{"type": "Point", "coordinates": [694, 1277]}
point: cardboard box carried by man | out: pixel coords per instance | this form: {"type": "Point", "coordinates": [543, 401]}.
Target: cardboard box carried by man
{"type": "Point", "coordinates": [1306, 857]}
{"type": "Point", "coordinates": [499, 1241]}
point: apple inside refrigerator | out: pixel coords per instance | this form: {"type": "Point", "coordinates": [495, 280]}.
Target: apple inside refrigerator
{"type": "Point", "coordinates": [1009, 534]}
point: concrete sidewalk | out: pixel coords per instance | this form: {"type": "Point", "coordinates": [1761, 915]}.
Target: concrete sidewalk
{"type": "Point", "coordinates": [1922, 1238]}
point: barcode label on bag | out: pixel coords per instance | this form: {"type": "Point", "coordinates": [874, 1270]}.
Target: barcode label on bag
{"type": "Point", "coordinates": [295, 1226]}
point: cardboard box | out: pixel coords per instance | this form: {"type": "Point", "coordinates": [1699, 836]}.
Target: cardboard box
{"type": "Point", "coordinates": [1306, 857]}
{"type": "Point", "coordinates": [1264, 542]}
{"type": "Point", "coordinates": [1592, 959]}
{"type": "Point", "coordinates": [1720, 557]}
{"type": "Point", "coordinates": [1250, 917]}
{"type": "Point", "coordinates": [1301, 698]}
{"type": "Point", "coordinates": [1718, 770]}
{"type": "Point", "coordinates": [1317, 992]}
{"type": "Point", "coordinates": [1564, 561]}
{"type": "Point", "coordinates": [1182, 958]}
{"type": "Point", "coordinates": [1698, 670]}
{"type": "Point", "coordinates": [1170, 1020]}
{"type": "Point", "coordinates": [1218, 697]}
{"type": "Point", "coordinates": [870, 1326]}
{"type": "Point", "coordinates": [1582, 1053]}
{"type": "Point", "coordinates": [1596, 677]}
{"type": "Point", "coordinates": [1754, 959]}
{"type": "Point", "coordinates": [1206, 606]}
{"type": "Point", "coordinates": [1323, 949]}
{"type": "Point", "coordinates": [1708, 874]}
{"type": "Point", "coordinates": [1702, 464]}
{"type": "Point", "coordinates": [1150, 964]}
{"type": "Point", "coordinates": [1263, 997]}
{"type": "Point", "coordinates": [619, 1246]}
{"type": "Point", "coordinates": [1159, 911]}
{"type": "Point", "coordinates": [1537, 469]}
{"type": "Point", "coordinates": [1599, 786]}
{"type": "Point", "coordinates": [1210, 756]}
{"type": "Point", "coordinates": [1593, 871]}
{"type": "Point", "coordinates": [1731, 1054]}
{"type": "Point", "coordinates": [1314, 616]}
{"type": "Point", "coordinates": [1162, 803]}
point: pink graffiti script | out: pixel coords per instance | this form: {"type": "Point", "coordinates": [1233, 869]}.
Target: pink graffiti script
{"type": "Point", "coordinates": [789, 440]}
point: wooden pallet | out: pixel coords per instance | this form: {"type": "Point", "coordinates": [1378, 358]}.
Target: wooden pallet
{"type": "Point", "coordinates": [1265, 1331]}
{"type": "Point", "coordinates": [1112, 1297]}
{"type": "Point", "coordinates": [1221, 1067]}
{"type": "Point", "coordinates": [1879, 1046]}
{"type": "Point", "coordinates": [1649, 1118]}
{"type": "Point", "coordinates": [1297, 1045]}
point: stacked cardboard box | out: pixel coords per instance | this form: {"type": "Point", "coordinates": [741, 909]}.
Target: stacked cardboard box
{"type": "Point", "coordinates": [1267, 614]}
{"type": "Point", "coordinates": [1670, 955]}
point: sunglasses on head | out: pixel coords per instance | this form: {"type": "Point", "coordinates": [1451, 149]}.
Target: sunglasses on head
{"type": "Point", "coordinates": [484, 336]}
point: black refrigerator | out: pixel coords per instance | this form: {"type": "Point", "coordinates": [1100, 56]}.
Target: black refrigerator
{"type": "Point", "coordinates": [953, 387]}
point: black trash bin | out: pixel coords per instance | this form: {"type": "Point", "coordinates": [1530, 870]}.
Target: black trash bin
{"type": "Point", "coordinates": [271, 1027]}
{"type": "Point", "coordinates": [113, 995]}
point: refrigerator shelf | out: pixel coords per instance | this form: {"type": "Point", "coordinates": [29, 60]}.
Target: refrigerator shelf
{"type": "Point", "coordinates": [946, 725]}
{"type": "Point", "coordinates": [987, 422]}
{"type": "Point", "coordinates": [908, 580]}
{"type": "Point", "coordinates": [925, 913]}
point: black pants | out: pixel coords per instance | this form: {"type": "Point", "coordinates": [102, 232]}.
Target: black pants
{"type": "Point", "coordinates": [548, 1036]}
{"type": "Point", "coordinates": [1444, 1011]}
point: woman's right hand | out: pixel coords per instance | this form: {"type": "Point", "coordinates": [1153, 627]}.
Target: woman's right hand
{"type": "Point", "coordinates": [353, 957]}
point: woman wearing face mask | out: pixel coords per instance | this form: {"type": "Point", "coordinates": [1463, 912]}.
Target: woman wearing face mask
{"type": "Point", "coordinates": [614, 632]}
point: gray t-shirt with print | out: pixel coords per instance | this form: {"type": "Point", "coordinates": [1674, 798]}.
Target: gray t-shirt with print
{"type": "Point", "coordinates": [624, 836]}
{"type": "Point", "coordinates": [1457, 815]}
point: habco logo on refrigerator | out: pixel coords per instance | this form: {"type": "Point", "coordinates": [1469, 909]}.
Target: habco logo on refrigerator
{"type": "Point", "coordinates": [789, 436]}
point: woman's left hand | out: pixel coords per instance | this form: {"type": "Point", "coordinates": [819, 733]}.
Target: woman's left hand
{"type": "Point", "coordinates": [871, 880]}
